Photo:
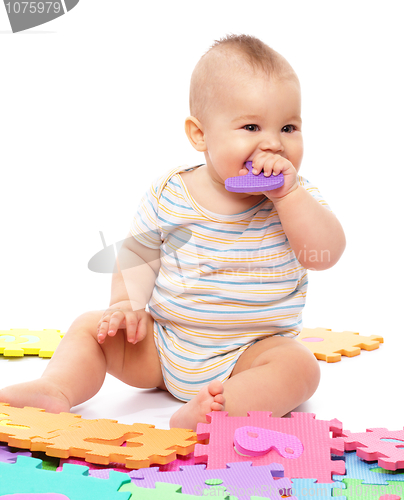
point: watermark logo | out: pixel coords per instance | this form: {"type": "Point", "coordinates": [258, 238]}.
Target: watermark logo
{"type": "Point", "coordinates": [104, 261]}
{"type": "Point", "coordinates": [25, 15]}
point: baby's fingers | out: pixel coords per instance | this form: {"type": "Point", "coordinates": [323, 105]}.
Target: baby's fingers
{"type": "Point", "coordinates": [102, 330]}
{"type": "Point", "coordinates": [132, 325]}
{"type": "Point", "coordinates": [109, 325]}
{"type": "Point", "coordinates": [141, 329]}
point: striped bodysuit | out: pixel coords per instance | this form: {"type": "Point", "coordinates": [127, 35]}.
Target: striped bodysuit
{"type": "Point", "coordinates": [225, 282]}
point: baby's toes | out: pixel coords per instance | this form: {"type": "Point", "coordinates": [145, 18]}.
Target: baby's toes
{"type": "Point", "coordinates": [216, 406]}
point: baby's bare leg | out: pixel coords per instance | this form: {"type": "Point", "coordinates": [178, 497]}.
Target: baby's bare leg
{"type": "Point", "coordinates": [276, 374]}
{"type": "Point", "coordinates": [77, 369]}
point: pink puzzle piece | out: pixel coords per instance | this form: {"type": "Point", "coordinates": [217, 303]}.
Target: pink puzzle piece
{"type": "Point", "coordinates": [251, 183]}
{"type": "Point", "coordinates": [314, 462]}
{"type": "Point", "coordinates": [387, 447]}
{"type": "Point", "coordinates": [255, 441]}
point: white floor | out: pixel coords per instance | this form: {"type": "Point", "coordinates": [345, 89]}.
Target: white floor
{"type": "Point", "coordinates": [362, 392]}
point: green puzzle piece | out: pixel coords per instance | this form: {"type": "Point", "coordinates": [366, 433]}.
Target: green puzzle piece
{"type": "Point", "coordinates": [20, 341]}
{"type": "Point", "coordinates": [27, 476]}
{"type": "Point", "coordinates": [356, 490]}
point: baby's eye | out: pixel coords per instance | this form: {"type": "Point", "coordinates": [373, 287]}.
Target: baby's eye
{"type": "Point", "coordinates": [251, 128]}
{"type": "Point", "coordinates": [288, 129]}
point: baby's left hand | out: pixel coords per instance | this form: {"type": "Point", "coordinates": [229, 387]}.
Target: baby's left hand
{"type": "Point", "coordinates": [275, 164]}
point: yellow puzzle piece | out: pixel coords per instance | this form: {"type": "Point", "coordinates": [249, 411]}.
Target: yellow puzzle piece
{"type": "Point", "coordinates": [20, 341]}
{"type": "Point", "coordinates": [328, 345]}
{"type": "Point", "coordinates": [100, 441]}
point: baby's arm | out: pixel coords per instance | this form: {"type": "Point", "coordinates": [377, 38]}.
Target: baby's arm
{"type": "Point", "coordinates": [131, 289]}
{"type": "Point", "coordinates": [314, 233]}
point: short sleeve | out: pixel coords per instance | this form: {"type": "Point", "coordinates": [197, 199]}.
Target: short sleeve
{"type": "Point", "coordinates": [145, 227]}
{"type": "Point", "coordinates": [313, 190]}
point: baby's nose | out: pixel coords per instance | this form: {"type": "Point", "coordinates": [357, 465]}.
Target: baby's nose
{"type": "Point", "coordinates": [272, 143]}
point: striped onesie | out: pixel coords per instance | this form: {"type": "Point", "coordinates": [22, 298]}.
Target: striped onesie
{"type": "Point", "coordinates": [225, 281]}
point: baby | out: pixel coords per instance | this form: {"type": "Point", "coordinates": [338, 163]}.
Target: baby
{"type": "Point", "coordinates": [210, 284]}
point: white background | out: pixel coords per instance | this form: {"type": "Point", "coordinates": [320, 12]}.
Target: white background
{"type": "Point", "coordinates": [92, 107]}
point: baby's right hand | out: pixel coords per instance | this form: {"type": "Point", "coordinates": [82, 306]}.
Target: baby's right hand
{"type": "Point", "coordinates": [122, 316]}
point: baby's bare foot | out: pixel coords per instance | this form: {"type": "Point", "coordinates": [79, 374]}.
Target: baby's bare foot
{"type": "Point", "coordinates": [39, 393]}
{"type": "Point", "coordinates": [209, 398]}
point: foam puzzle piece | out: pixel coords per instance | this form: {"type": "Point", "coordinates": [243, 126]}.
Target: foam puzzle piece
{"type": "Point", "coordinates": [18, 342]}
{"type": "Point", "coordinates": [239, 479]}
{"type": "Point", "coordinates": [98, 441]}
{"type": "Point", "coordinates": [315, 461]}
{"type": "Point", "coordinates": [309, 488]}
{"type": "Point", "coordinates": [355, 489]}
{"type": "Point", "coordinates": [10, 456]}
{"type": "Point", "coordinates": [35, 496]}
{"type": "Point", "coordinates": [328, 346]}
{"type": "Point", "coordinates": [49, 463]}
{"type": "Point", "coordinates": [26, 476]}
{"type": "Point", "coordinates": [166, 491]}
{"type": "Point", "coordinates": [254, 442]}
{"type": "Point", "coordinates": [251, 183]}
{"type": "Point", "coordinates": [387, 447]}
{"type": "Point", "coordinates": [102, 471]}
{"type": "Point", "coordinates": [369, 473]}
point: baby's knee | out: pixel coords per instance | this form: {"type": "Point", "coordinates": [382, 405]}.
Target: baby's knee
{"type": "Point", "coordinates": [86, 323]}
{"type": "Point", "coordinates": [310, 371]}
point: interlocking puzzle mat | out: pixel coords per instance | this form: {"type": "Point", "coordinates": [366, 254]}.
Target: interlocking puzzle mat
{"type": "Point", "coordinates": [244, 482]}
{"type": "Point", "coordinates": [17, 342]}
{"type": "Point", "coordinates": [239, 479]}
{"type": "Point", "coordinates": [328, 346]}
{"type": "Point", "coordinates": [355, 489]}
{"type": "Point", "coordinates": [368, 472]}
{"type": "Point", "coordinates": [165, 491]}
{"type": "Point", "coordinates": [387, 447]}
{"type": "Point", "coordinates": [9, 455]}
{"type": "Point", "coordinates": [35, 496]}
{"type": "Point", "coordinates": [26, 476]}
{"type": "Point", "coordinates": [314, 462]}
{"type": "Point", "coordinates": [102, 471]}
{"type": "Point", "coordinates": [310, 489]}
{"type": "Point", "coordinates": [98, 441]}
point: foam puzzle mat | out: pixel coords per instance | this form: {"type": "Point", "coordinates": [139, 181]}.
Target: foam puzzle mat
{"type": "Point", "coordinates": [98, 441]}
{"type": "Point", "coordinates": [237, 458]}
{"type": "Point", "coordinates": [329, 346]}
{"type": "Point", "coordinates": [19, 342]}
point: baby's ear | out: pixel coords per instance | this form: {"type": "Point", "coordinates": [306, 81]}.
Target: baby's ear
{"type": "Point", "coordinates": [195, 134]}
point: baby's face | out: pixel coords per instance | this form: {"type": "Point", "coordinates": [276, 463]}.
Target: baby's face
{"type": "Point", "coordinates": [249, 116]}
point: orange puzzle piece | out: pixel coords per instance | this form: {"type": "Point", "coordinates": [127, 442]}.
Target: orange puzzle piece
{"type": "Point", "coordinates": [97, 441]}
{"type": "Point", "coordinates": [328, 345]}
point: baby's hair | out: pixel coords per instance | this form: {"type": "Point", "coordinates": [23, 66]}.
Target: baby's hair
{"type": "Point", "coordinates": [241, 54]}
{"type": "Point", "coordinates": [256, 53]}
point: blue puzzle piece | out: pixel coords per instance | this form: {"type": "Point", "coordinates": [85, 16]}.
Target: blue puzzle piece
{"type": "Point", "coordinates": [369, 472]}
{"type": "Point", "coordinates": [309, 488]}
{"type": "Point", "coordinates": [27, 476]}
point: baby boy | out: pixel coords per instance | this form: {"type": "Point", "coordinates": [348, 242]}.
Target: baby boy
{"type": "Point", "coordinates": [210, 284]}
